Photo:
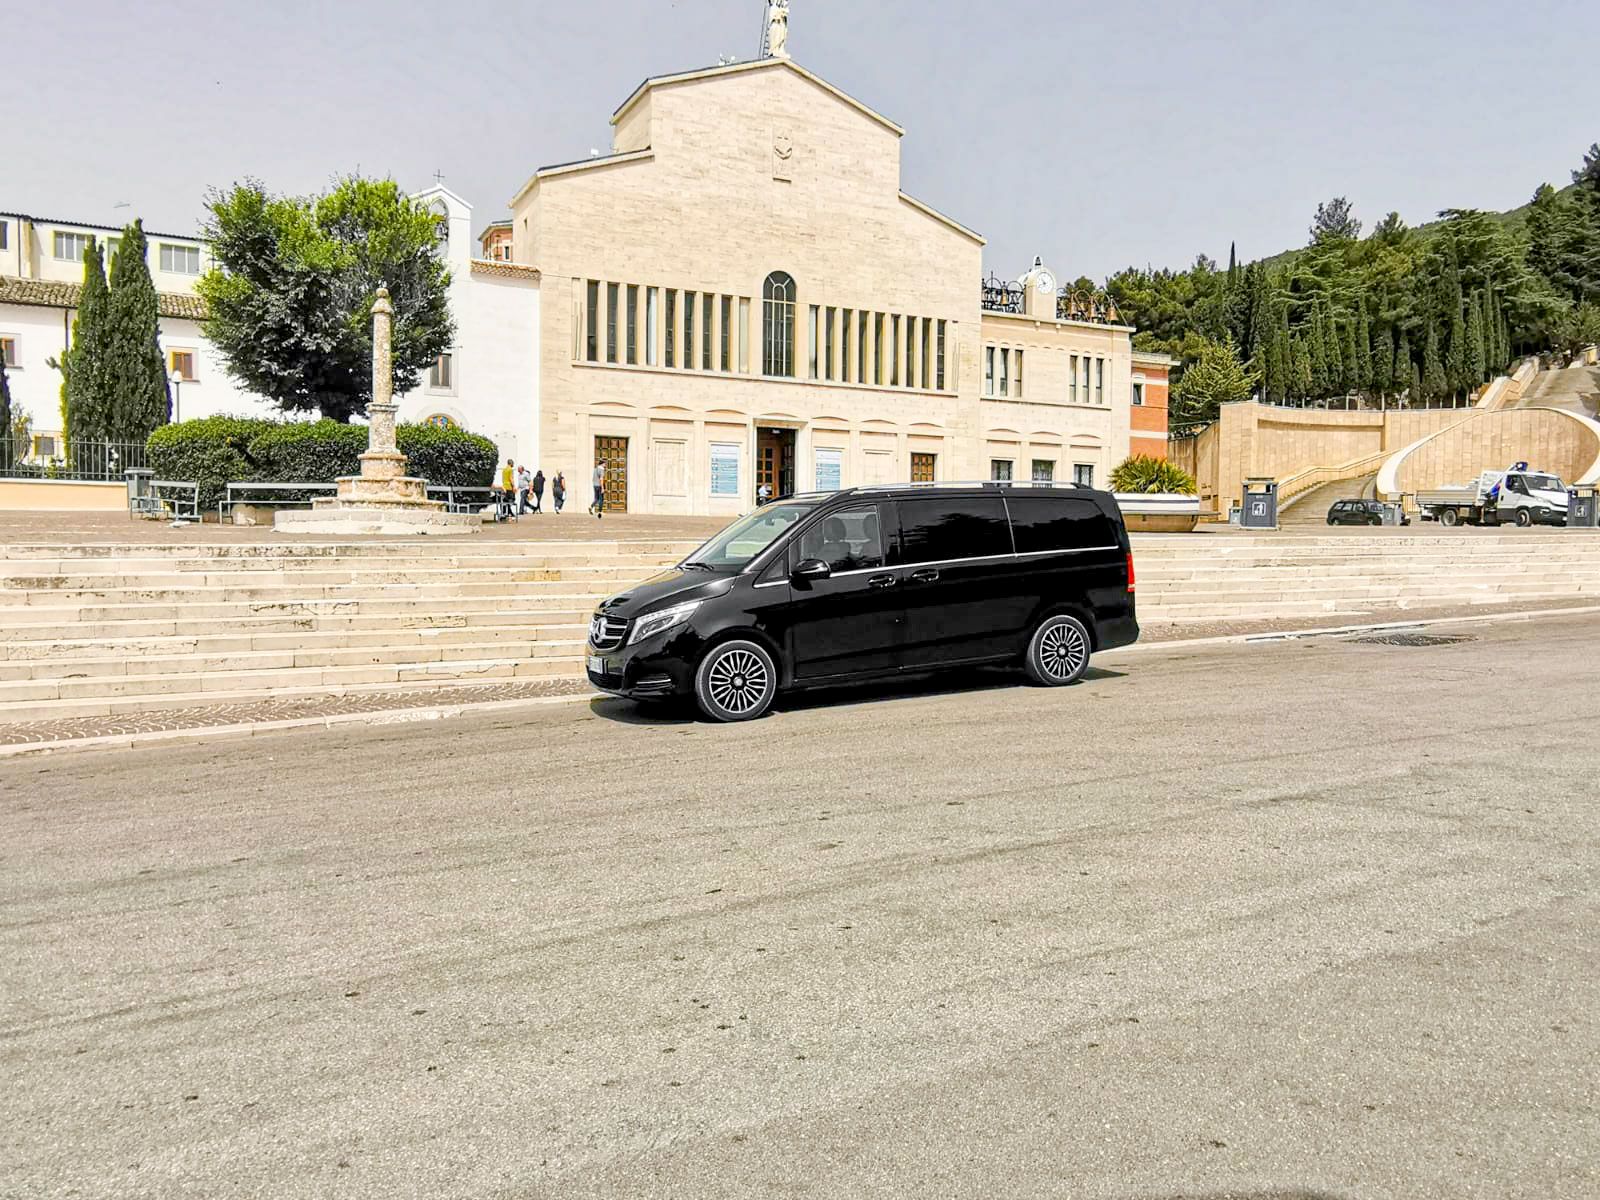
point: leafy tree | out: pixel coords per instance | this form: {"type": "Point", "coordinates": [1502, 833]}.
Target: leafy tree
{"type": "Point", "coordinates": [86, 398]}
{"type": "Point", "coordinates": [136, 390]}
{"type": "Point", "coordinates": [1477, 368]}
{"type": "Point", "coordinates": [1391, 231]}
{"type": "Point", "coordinates": [1350, 373]}
{"type": "Point", "coordinates": [1382, 380]}
{"type": "Point", "coordinates": [1321, 378]}
{"type": "Point", "coordinates": [1405, 375]}
{"type": "Point", "coordinates": [1216, 378]}
{"type": "Point", "coordinates": [290, 301]}
{"type": "Point", "coordinates": [1299, 369]}
{"type": "Point", "coordinates": [1334, 222]}
{"type": "Point", "coordinates": [1361, 344]}
{"type": "Point", "coordinates": [1456, 367]}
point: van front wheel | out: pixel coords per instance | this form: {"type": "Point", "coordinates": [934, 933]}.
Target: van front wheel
{"type": "Point", "coordinates": [736, 682]}
{"type": "Point", "coordinates": [1058, 652]}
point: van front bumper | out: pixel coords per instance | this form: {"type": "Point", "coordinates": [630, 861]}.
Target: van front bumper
{"type": "Point", "coordinates": [638, 672]}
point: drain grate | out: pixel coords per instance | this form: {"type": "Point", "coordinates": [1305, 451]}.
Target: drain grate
{"type": "Point", "coordinates": [1416, 639]}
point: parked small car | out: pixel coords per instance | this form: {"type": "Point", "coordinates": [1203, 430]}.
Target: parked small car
{"type": "Point", "coordinates": [1360, 512]}
{"type": "Point", "coordinates": [873, 583]}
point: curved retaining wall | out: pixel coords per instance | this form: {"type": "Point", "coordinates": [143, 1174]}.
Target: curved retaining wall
{"type": "Point", "coordinates": [1547, 439]}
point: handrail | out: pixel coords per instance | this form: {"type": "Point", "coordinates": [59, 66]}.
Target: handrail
{"type": "Point", "coordinates": [1292, 487]}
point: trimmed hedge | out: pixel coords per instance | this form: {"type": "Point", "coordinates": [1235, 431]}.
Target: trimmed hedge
{"type": "Point", "coordinates": [215, 451]}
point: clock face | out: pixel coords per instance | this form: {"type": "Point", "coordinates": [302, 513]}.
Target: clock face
{"type": "Point", "coordinates": [1046, 282]}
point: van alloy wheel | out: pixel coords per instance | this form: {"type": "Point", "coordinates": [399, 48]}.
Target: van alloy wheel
{"type": "Point", "coordinates": [736, 682]}
{"type": "Point", "coordinates": [1058, 652]}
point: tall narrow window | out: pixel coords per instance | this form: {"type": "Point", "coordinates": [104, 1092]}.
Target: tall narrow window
{"type": "Point", "coordinates": [830, 341]}
{"type": "Point", "coordinates": [688, 331]}
{"type": "Point", "coordinates": [777, 325]}
{"type": "Point", "coordinates": [591, 322]}
{"type": "Point", "coordinates": [1086, 366]}
{"type": "Point", "coordinates": [612, 297]}
{"type": "Point", "coordinates": [911, 352]}
{"type": "Point", "coordinates": [938, 380]}
{"type": "Point", "coordinates": [1016, 374]}
{"type": "Point", "coordinates": [846, 349]}
{"type": "Point", "coordinates": [861, 346]}
{"type": "Point", "coordinates": [1005, 372]}
{"type": "Point", "coordinates": [1072, 379]}
{"type": "Point", "coordinates": [894, 350]}
{"type": "Point", "coordinates": [705, 332]}
{"type": "Point", "coordinates": [927, 353]}
{"type": "Point", "coordinates": [811, 340]}
{"type": "Point", "coordinates": [988, 370]}
{"type": "Point", "coordinates": [877, 349]}
{"type": "Point", "coordinates": [633, 324]}
{"type": "Point", "coordinates": [727, 330]}
{"type": "Point", "coordinates": [671, 359]}
{"type": "Point", "coordinates": [577, 319]}
{"type": "Point", "coordinates": [1099, 381]}
{"type": "Point", "coordinates": [652, 324]}
{"type": "Point", "coordinates": [744, 335]}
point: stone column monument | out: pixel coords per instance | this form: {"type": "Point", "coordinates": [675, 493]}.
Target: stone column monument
{"type": "Point", "coordinates": [383, 498]}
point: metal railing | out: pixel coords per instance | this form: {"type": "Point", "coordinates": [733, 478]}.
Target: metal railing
{"type": "Point", "coordinates": [48, 456]}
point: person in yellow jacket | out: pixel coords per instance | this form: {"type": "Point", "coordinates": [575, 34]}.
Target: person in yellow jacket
{"type": "Point", "coordinates": [508, 489]}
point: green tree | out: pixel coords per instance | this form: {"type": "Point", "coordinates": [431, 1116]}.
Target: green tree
{"type": "Point", "coordinates": [1334, 221]}
{"type": "Point", "coordinates": [1216, 378]}
{"type": "Point", "coordinates": [86, 401]}
{"type": "Point", "coordinates": [1361, 344]}
{"type": "Point", "coordinates": [1456, 369]}
{"type": "Point", "coordinates": [1404, 375]}
{"type": "Point", "coordinates": [1338, 368]}
{"type": "Point", "coordinates": [1321, 377]}
{"type": "Point", "coordinates": [289, 304]}
{"type": "Point", "coordinates": [1300, 380]}
{"type": "Point", "coordinates": [1435, 382]}
{"type": "Point", "coordinates": [1382, 378]}
{"type": "Point", "coordinates": [1477, 360]}
{"type": "Point", "coordinates": [136, 389]}
{"type": "Point", "coordinates": [7, 454]}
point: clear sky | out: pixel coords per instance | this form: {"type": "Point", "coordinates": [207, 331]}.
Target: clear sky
{"type": "Point", "coordinates": [1096, 134]}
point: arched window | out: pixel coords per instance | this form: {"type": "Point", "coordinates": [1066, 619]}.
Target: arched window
{"type": "Point", "coordinates": [441, 216]}
{"type": "Point", "coordinates": [777, 325]}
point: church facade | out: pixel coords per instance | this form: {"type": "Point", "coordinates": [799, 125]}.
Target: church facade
{"type": "Point", "coordinates": [740, 298]}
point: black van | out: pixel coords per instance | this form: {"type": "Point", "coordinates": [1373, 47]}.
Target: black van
{"type": "Point", "coordinates": [815, 590]}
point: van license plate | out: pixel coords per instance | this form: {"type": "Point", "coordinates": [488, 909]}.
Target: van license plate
{"type": "Point", "coordinates": [597, 665]}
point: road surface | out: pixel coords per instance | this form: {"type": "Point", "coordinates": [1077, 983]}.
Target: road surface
{"type": "Point", "coordinates": [1311, 919]}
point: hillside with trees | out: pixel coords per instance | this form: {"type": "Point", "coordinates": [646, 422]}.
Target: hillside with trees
{"type": "Point", "coordinates": [1387, 315]}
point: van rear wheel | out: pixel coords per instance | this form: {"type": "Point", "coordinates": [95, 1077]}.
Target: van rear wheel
{"type": "Point", "coordinates": [736, 681]}
{"type": "Point", "coordinates": [1058, 652]}
{"type": "Point", "coordinates": [1449, 517]}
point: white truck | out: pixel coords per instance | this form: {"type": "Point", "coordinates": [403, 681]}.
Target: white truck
{"type": "Point", "coordinates": [1518, 494]}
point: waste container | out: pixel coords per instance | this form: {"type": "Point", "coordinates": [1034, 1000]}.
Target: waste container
{"type": "Point", "coordinates": [1260, 510]}
{"type": "Point", "coordinates": [142, 500]}
{"type": "Point", "coordinates": [1393, 514]}
{"type": "Point", "coordinates": [1583, 506]}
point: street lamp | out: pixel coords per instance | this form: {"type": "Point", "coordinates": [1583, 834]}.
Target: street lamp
{"type": "Point", "coordinates": [177, 393]}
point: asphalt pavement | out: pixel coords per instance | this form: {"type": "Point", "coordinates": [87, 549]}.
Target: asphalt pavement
{"type": "Point", "coordinates": [1300, 919]}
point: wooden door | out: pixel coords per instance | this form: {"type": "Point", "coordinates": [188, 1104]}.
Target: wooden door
{"type": "Point", "coordinates": [613, 451]}
{"type": "Point", "coordinates": [775, 462]}
{"type": "Point", "coordinates": [922, 468]}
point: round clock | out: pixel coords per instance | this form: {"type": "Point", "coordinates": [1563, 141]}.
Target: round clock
{"type": "Point", "coordinates": [1046, 282]}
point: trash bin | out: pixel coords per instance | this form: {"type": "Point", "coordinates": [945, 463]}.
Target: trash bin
{"type": "Point", "coordinates": [1583, 506]}
{"type": "Point", "coordinates": [1393, 515]}
{"type": "Point", "coordinates": [141, 492]}
{"type": "Point", "coordinates": [1260, 510]}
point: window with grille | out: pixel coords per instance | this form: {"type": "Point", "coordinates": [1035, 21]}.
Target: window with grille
{"type": "Point", "coordinates": [777, 325]}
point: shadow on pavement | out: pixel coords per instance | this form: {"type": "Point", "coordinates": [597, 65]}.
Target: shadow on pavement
{"type": "Point", "coordinates": [951, 683]}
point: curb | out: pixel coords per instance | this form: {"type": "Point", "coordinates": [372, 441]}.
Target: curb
{"type": "Point", "coordinates": [206, 733]}
{"type": "Point", "coordinates": [1289, 635]}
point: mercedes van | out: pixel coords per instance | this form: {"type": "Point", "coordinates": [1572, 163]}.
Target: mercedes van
{"type": "Point", "coordinates": [874, 583]}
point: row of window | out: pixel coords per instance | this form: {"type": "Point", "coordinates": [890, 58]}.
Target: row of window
{"type": "Point", "coordinates": [1044, 471]}
{"type": "Point", "coordinates": [1086, 376]}
{"type": "Point", "coordinates": [175, 259]}
{"type": "Point", "coordinates": [180, 363]}
{"type": "Point", "coordinates": [635, 325]}
{"type": "Point", "coordinates": [882, 349]}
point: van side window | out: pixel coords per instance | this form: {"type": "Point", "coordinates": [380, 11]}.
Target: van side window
{"type": "Point", "coordinates": [846, 541]}
{"type": "Point", "coordinates": [1044, 523]}
{"type": "Point", "coordinates": [938, 530]}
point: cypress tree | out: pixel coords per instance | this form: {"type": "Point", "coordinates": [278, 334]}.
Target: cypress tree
{"type": "Point", "coordinates": [1299, 369]}
{"type": "Point", "coordinates": [1404, 368]}
{"type": "Point", "coordinates": [136, 371]}
{"type": "Point", "coordinates": [1476, 360]}
{"type": "Point", "coordinates": [1456, 371]}
{"type": "Point", "coordinates": [1363, 349]}
{"type": "Point", "coordinates": [6, 455]}
{"type": "Point", "coordinates": [1416, 381]}
{"type": "Point", "coordinates": [1381, 379]}
{"type": "Point", "coordinates": [1338, 378]}
{"type": "Point", "coordinates": [1435, 381]}
{"type": "Point", "coordinates": [1317, 354]}
{"type": "Point", "coordinates": [1276, 382]}
{"type": "Point", "coordinates": [84, 402]}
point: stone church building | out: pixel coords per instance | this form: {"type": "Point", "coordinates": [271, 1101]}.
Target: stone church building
{"type": "Point", "coordinates": [741, 295]}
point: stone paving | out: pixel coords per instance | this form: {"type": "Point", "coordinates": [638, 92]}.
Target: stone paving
{"type": "Point", "coordinates": [158, 720]}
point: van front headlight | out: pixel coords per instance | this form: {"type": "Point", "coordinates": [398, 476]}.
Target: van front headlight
{"type": "Point", "coordinates": [659, 622]}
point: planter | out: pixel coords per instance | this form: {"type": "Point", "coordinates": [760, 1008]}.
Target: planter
{"type": "Point", "coordinates": [1159, 512]}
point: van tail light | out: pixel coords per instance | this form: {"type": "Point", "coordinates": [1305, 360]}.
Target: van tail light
{"type": "Point", "coordinates": [1130, 572]}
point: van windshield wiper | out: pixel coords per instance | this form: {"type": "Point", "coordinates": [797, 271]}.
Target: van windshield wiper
{"type": "Point", "coordinates": [695, 565]}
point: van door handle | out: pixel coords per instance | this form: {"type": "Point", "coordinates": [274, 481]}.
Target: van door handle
{"type": "Point", "coordinates": [881, 581]}
{"type": "Point", "coordinates": [927, 575]}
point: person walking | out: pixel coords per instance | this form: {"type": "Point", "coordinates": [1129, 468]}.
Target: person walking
{"type": "Point", "coordinates": [524, 485]}
{"type": "Point", "coordinates": [538, 490]}
{"type": "Point", "coordinates": [558, 490]}
{"type": "Point", "coordinates": [598, 508]}
{"type": "Point", "coordinates": [508, 487]}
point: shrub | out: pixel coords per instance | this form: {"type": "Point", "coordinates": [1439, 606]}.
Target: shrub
{"type": "Point", "coordinates": [450, 457]}
{"type": "Point", "coordinates": [211, 452]}
{"type": "Point", "coordinates": [1145, 473]}
{"type": "Point", "coordinates": [214, 451]}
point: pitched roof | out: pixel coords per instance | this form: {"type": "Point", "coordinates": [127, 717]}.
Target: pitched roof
{"type": "Point", "coordinates": [48, 293]}
{"type": "Point", "coordinates": [112, 229]}
{"type": "Point", "coordinates": [506, 270]}
{"type": "Point", "coordinates": [758, 64]}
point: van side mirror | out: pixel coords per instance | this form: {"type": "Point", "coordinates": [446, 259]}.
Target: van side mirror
{"type": "Point", "coordinates": [811, 568]}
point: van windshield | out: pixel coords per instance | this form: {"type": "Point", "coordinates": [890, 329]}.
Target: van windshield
{"type": "Point", "coordinates": [747, 537]}
{"type": "Point", "coordinates": [1544, 483]}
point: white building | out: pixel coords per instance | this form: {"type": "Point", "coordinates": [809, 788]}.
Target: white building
{"type": "Point", "coordinates": [487, 383]}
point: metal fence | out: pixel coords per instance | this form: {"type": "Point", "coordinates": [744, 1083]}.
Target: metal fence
{"type": "Point", "coordinates": [47, 456]}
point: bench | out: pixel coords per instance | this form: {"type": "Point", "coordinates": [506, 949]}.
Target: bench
{"type": "Point", "coordinates": [175, 498]}
{"type": "Point", "coordinates": [468, 499]}
{"type": "Point", "coordinates": [270, 495]}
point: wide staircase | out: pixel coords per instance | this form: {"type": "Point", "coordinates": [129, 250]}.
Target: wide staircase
{"type": "Point", "coordinates": [1575, 388]}
{"type": "Point", "coordinates": [1311, 508]}
{"type": "Point", "coordinates": [101, 630]}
